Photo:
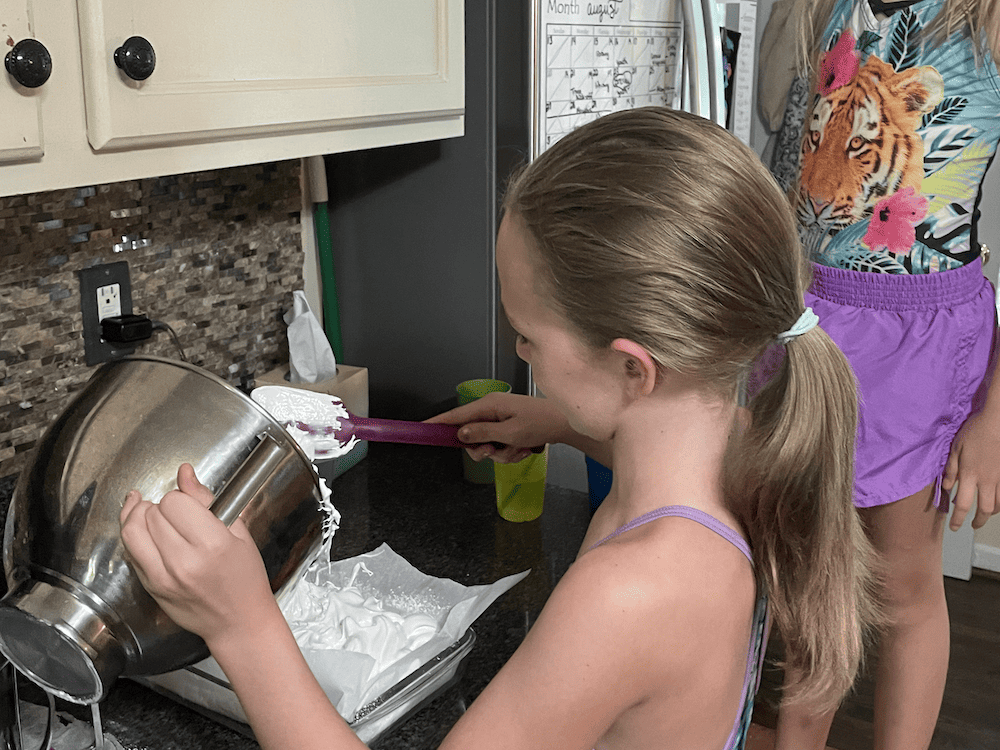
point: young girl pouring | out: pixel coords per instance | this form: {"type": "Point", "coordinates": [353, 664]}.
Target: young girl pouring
{"type": "Point", "coordinates": [647, 261]}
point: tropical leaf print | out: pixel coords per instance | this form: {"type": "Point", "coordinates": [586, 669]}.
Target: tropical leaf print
{"type": "Point", "coordinates": [951, 193]}
{"type": "Point", "coordinates": [846, 249]}
{"type": "Point", "coordinates": [949, 108]}
{"type": "Point", "coordinates": [869, 262]}
{"type": "Point", "coordinates": [926, 260]}
{"type": "Point", "coordinates": [832, 41]}
{"type": "Point", "coordinates": [951, 179]}
{"type": "Point", "coordinates": [833, 248]}
{"type": "Point", "coordinates": [904, 47]}
{"type": "Point", "coordinates": [950, 219]}
{"type": "Point", "coordinates": [942, 144]}
{"type": "Point", "coordinates": [867, 42]}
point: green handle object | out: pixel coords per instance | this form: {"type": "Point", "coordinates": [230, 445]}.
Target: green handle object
{"type": "Point", "coordinates": [331, 305]}
{"type": "Point", "coordinates": [315, 168]}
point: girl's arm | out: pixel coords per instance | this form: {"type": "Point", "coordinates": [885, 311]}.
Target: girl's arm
{"type": "Point", "coordinates": [281, 697]}
{"type": "Point", "coordinates": [974, 461]}
{"type": "Point", "coordinates": [563, 688]}
{"type": "Point", "coordinates": [211, 580]}
{"type": "Point", "coordinates": [519, 423]}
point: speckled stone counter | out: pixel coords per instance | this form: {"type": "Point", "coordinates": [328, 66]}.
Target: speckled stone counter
{"type": "Point", "coordinates": [413, 498]}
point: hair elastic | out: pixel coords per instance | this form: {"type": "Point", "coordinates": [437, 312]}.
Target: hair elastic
{"type": "Point", "coordinates": [806, 322]}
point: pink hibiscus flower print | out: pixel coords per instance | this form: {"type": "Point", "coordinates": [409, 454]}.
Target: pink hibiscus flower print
{"type": "Point", "coordinates": [893, 224]}
{"type": "Point", "coordinates": [838, 66]}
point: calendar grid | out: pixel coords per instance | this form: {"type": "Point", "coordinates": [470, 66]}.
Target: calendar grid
{"type": "Point", "coordinates": [592, 70]}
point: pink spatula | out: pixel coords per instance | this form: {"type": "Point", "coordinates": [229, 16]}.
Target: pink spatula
{"type": "Point", "coordinates": [325, 418]}
{"type": "Point", "coordinates": [386, 431]}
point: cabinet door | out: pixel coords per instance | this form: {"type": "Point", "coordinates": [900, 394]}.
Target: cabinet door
{"type": "Point", "coordinates": [20, 111]}
{"type": "Point", "coordinates": [228, 69]}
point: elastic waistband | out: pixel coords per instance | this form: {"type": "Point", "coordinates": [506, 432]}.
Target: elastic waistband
{"type": "Point", "coordinates": [892, 291]}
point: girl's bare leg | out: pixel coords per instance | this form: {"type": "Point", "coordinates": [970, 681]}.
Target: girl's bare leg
{"type": "Point", "coordinates": [800, 729]}
{"type": "Point", "coordinates": [913, 652]}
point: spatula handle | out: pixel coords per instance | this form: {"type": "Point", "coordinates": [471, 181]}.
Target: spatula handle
{"type": "Point", "coordinates": [401, 431]}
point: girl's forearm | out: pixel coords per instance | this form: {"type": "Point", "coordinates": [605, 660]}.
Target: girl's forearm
{"type": "Point", "coordinates": [563, 433]}
{"type": "Point", "coordinates": [600, 452]}
{"type": "Point", "coordinates": [284, 703]}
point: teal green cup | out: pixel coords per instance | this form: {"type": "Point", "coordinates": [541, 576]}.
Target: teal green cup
{"type": "Point", "coordinates": [478, 472]}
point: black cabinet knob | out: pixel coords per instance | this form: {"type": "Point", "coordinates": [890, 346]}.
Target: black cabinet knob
{"type": "Point", "coordinates": [136, 57]}
{"type": "Point", "coordinates": [29, 63]}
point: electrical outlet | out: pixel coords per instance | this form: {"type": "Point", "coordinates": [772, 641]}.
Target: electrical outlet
{"type": "Point", "coordinates": [105, 291]}
{"type": "Point", "coordinates": [109, 301]}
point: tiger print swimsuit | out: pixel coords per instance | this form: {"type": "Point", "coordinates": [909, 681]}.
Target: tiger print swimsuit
{"type": "Point", "coordinates": [896, 141]}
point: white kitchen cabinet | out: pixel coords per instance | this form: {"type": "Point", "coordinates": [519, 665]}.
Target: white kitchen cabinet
{"type": "Point", "coordinates": [20, 110]}
{"type": "Point", "coordinates": [231, 68]}
{"type": "Point", "coordinates": [233, 83]}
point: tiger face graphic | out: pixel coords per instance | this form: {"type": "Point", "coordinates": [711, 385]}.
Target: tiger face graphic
{"type": "Point", "coordinates": [861, 143]}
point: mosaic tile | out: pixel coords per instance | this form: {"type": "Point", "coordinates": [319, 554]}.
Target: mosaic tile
{"type": "Point", "coordinates": [216, 255]}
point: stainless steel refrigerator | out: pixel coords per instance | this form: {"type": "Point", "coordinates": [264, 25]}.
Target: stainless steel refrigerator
{"type": "Point", "coordinates": [413, 226]}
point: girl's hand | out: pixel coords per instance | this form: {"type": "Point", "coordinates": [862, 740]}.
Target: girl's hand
{"type": "Point", "coordinates": [506, 426]}
{"type": "Point", "coordinates": [208, 578]}
{"type": "Point", "coordinates": [974, 462]}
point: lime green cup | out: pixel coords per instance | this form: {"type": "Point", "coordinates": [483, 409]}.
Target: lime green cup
{"type": "Point", "coordinates": [479, 472]}
{"type": "Point", "coordinates": [521, 487]}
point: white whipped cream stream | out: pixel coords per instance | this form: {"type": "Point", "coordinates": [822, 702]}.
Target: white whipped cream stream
{"type": "Point", "coordinates": [325, 616]}
{"type": "Point", "coordinates": [331, 520]}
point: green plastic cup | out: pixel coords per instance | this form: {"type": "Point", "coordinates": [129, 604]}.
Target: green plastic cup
{"type": "Point", "coordinates": [521, 487]}
{"type": "Point", "coordinates": [479, 472]}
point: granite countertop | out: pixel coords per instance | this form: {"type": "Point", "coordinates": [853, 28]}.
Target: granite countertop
{"type": "Point", "coordinates": [414, 499]}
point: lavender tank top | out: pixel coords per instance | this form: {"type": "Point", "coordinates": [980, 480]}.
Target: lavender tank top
{"type": "Point", "coordinates": [759, 628]}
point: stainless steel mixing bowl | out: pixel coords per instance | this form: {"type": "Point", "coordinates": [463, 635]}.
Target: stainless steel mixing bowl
{"type": "Point", "coordinates": [76, 616]}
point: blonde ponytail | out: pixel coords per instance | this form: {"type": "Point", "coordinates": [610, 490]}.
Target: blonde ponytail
{"type": "Point", "coordinates": [791, 474]}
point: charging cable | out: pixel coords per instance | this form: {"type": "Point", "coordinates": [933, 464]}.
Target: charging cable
{"type": "Point", "coordinates": [133, 329]}
{"type": "Point", "coordinates": [159, 325]}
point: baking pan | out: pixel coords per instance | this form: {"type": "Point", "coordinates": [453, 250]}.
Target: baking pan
{"type": "Point", "coordinates": [214, 698]}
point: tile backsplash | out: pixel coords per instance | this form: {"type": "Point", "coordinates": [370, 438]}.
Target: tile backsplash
{"type": "Point", "coordinates": [215, 255]}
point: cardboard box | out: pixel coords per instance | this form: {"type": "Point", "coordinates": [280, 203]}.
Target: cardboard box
{"type": "Point", "coordinates": [350, 386]}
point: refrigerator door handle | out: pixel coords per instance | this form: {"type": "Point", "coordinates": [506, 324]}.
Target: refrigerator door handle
{"type": "Point", "coordinates": [696, 57]}
{"type": "Point", "coordinates": [714, 21]}
{"type": "Point", "coordinates": [703, 58]}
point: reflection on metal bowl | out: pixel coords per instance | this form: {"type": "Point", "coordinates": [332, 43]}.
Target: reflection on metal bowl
{"type": "Point", "coordinates": [76, 616]}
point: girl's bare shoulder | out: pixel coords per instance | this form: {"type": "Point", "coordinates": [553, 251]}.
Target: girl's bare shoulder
{"type": "Point", "coordinates": [672, 576]}
{"type": "Point", "coordinates": [628, 625]}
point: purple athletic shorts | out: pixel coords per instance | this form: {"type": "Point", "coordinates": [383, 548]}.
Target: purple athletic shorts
{"type": "Point", "coordinates": [922, 348]}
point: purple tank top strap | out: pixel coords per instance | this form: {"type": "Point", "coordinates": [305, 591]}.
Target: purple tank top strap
{"type": "Point", "coordinates": [692, 514]}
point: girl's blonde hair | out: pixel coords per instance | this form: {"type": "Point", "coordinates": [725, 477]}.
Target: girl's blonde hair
{"type": "Point", "coordinates": [978, 20]}
{"type": "Point", "coordinates": [660, 227]}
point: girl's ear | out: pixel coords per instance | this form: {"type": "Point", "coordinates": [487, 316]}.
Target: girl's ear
{"type": "Point", "coordinates": [638, 364]}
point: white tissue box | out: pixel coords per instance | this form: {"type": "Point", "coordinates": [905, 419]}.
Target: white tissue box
{"type": "Point", "coordinates": [351, 387]}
